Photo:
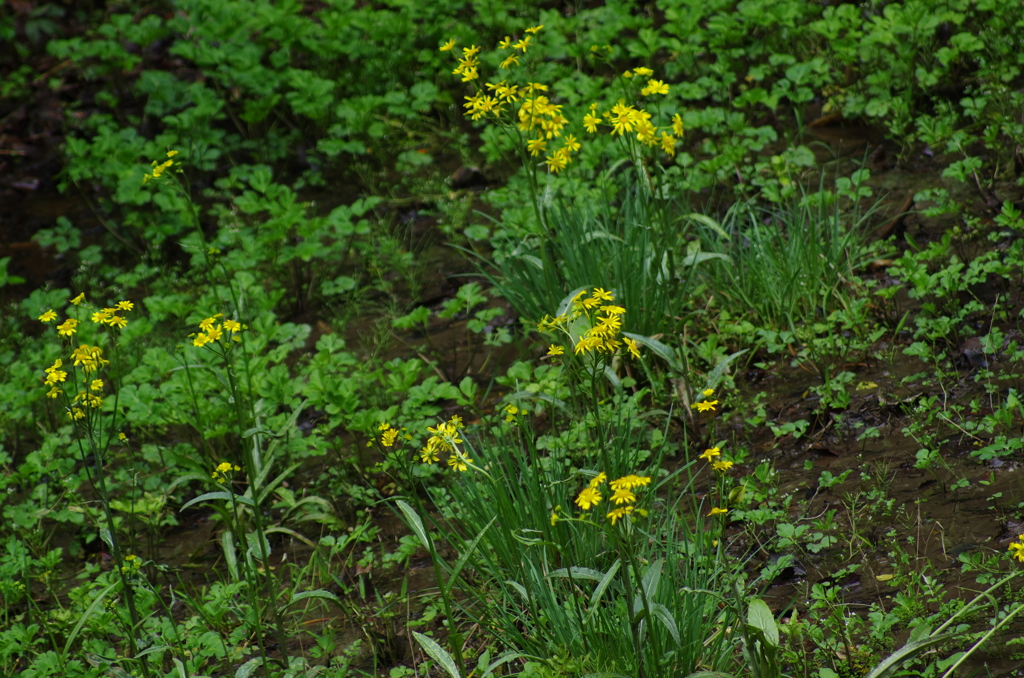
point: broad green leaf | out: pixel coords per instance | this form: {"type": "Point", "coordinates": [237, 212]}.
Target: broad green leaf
{"type": "Point", "coordinates": [210, 496]}
{"type": "Point", "coordinates": [760, 616]}
{"type": "Point", "coordinates": [709, 222]}
{"type": "Point", "coordinates": [414, 522]}
{"type": "Point", "coordinates": [317, 593]}
{"type": "Point", "coordinates": [659, 349]}
{"type": "Point", "coordinates": [249, 667]}
{"type": "Point", "coordinates": [437, 653]}
{"type": "Point", "coordinates": [662, 614]}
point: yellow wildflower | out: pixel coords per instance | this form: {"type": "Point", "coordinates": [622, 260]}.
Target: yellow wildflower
{"type": "Point", "coordinates": [536, 146]}
{"type": "Point", "coordinates": [642, 71]}
{"type": "Point", "coordinates": [591, 121]}
{"type": "Point", "coordinates": [722, 466]}
{"type": "Point", "coordinates": [48, 316]}
{"type": "Point", "coordinates": [79, 299]}
{"type": "Point", "coordinates": [706, 405]}
{"type": "Point", "coordinates": [677, 125]}
{"type": "Point", "coordinates": [633, 346]}
{"type": "Point", "coordinates": [102, 316]}
{"type": "Point", "coordinates": [68, 327]}
{"type": "Point", "coordinates": [616, 514]}
{"type": "Point", "coordinates": [630, 482]}
{"type": "Point", "coordinates": [522, 44]}
{"type": "Point", "coordinates": [599, 479]}
{"type": "Point", "coordinates": [623, 495]}
{"type": "Point", "coordinates": [710, 453]}
{"type": "Point", "coordinates": [588, 497]}
{"type": "Point", "coordinates": [717, 511]}
{"type": "Point", "coordinates": [654, 87]}
{"type": "Point", "coordinates": [557, 161]}
{"type": "Point", "coordinates": [459, 461]}
{"type": "Point", "coordinates": [208, 323]}
{"type": "Point", "coordinates": [232, 326]}
{"type": "Point", "coordinates": [96, 385]}
{"type": "Point", "coordinates": [506, 43]}
{"type": "Point", "coordinates": [510, 61]}
{"type": "Point", "coordinates": [534, 29]}
{"type": "Point", "coordinates": [1018, 548]}
{"type": "Point", "coordinates": [125, 305]}
{"type": "Point", "coordinates": [668, 143]}
{"type": "Point", "coordinates": [555, 349]}
{"type": "Point", "coordinates": [448, 46]}
{"type": "Point", "coordinates": [428, 455]}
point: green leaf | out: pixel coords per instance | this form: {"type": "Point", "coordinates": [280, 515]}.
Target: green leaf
{"type": "Point", "coordinates": [602, 586]}
{"type": "Point", "coordinates": [249, 667]}
{"type": "Point", "coordinates": [578, 573]}
{"type": "Point", "coordinates": [659, 349]}
{"type": "Point", "coordinates": [206, 497]}
{"type": "Point", "coordinates": [760, 616]}
{"type": "Point", "coordinates": [908, 651]}
{"type": "Point", "coordinates": [662, 614]}
{"type": "Point", "coordinates": [415, 524]}
{"type": "Point", "coordinates": [709, 222]}
{"type": "Point", "coordinates": [437, 653]}
{"type": "Point", "coordinates": [464, 556]}
{"type": "Point", "coordinates": [97, 603]}
{"type": "Point", "coordinates": [318, 593]}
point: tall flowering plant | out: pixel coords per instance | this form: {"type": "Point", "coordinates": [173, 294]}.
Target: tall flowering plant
{"type": "Point", "coordinates": [545, 135]}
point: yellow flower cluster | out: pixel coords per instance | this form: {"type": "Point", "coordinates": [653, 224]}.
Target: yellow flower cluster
{"type": "Point", "coordinates": [212, 331]}
{"type": "Point", "coordinates": [1017, 548]}
{"type": "Point", "coordinates": [160, 168]}
{"type": "Point", "coordinates": [87, 399]}
{"type": "Point", "coordinates": [444, 438]}
{"type": "Point", "coordinates": [132, 564]}
{"type": "Point", "coordinates": [542, 120]}
{"type": "Point", "coordinates": [605, 319]}
{"type": "Point", "coordinates": [109, 316]}
{"type": "Point", "coordinates": [705, 404]}
{"type": "Point", "coordinates": [90, 358]}
{"type": "Point", "coordinates": [220, 474]}
{"type": "Point", "coordinates": [106, 316]}
{"type": "Point", "coordinates": [720, 465]}
{"type": "Point", "coordinates": [622, 495]}
{"type": "Point", "coordinates": [388, 434]}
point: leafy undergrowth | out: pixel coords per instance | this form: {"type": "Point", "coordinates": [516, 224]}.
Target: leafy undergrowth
{"type": "Point", "coordinates": [544, 341]}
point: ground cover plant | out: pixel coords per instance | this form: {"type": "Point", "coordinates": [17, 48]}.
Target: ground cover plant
{"type": "Point", "coordinates": [674, 339]}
